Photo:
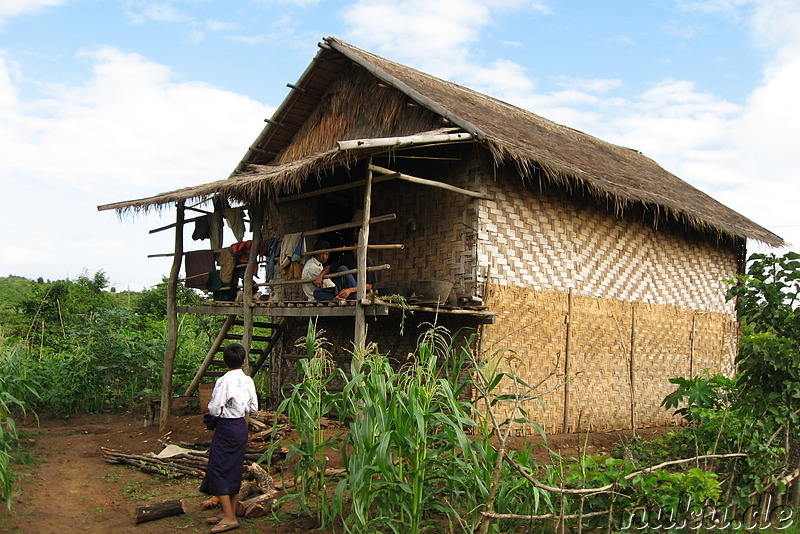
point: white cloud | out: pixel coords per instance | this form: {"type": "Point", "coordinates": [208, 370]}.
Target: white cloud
{"type": "Point", "coordinates": [129, 131]}
{"type": "Point", "coordinates": [141, 11]}
{"type": "Point", "coordinates": [14, 8]}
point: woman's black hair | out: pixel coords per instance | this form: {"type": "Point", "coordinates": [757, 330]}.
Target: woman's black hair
{"type": "Point", "coordinates": [234, 355]}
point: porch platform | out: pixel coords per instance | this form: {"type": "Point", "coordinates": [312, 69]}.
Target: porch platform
{"type": "Point", "coordinates": [332, 309]}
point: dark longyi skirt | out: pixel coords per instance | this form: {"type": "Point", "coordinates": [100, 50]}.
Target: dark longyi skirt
{"type": "Point", "coordinates": [226, 458]}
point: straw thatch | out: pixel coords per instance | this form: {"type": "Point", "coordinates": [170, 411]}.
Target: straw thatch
{"type": "Point", "coordinates": [293, 146]}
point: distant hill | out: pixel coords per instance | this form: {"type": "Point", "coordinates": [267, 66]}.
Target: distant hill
{"type": "Point", "coordinates": [13, 289]}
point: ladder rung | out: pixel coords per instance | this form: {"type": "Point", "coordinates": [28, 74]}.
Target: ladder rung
{"type": "Point", "coordinates": [221, 363]}
{"type": "Point", "coordinates": [257, 324]}
{"type": "Point", "coordinates": [241, 336]}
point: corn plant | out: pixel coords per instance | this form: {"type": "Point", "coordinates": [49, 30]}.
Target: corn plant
{"type": "Point", "coordinates": [308, 403]}
{"type": "Point", "coordinates": [406, 428]}
{"type": "Point", "coordinates": [8, 437]}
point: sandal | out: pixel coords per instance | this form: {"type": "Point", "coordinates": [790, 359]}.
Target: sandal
{"type": "Point", "coordinates": [224, 527]}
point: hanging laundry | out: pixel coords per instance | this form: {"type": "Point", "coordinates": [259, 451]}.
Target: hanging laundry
{"type": "Point", "coordinates": [199, 263]}
{"type": "Point", "coordinates": [202, 229]}
{"type": "Point", "coordinates": [227, 263]}
{"type": "Point", "coordinates": [235, 219]}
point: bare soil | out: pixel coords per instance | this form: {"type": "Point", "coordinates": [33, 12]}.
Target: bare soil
{"type": "Point", "coordinates": [70, 488]}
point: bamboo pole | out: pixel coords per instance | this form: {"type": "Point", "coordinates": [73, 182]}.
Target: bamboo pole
{"type": "Point", "coordinates": [567, 349]}
{"type": "Point", "coordinates": [632, 369]}
{"type": "Point", "coordinates": [432, 183]}
{"type": "Point", "coordinates": [360, 334]}
{"type": "Point", "coordinates": [691, 346]}
{"type": "Point", "coordinates": [375, 268]}
{"type": "Point", "coordinates": [172, 319]}
{"type": "Point", "coordinates": [354, 224]}
{"type": "Point", "coordinates": [257, 216]}
{"type": "Point", "coordinates": [226, 325]}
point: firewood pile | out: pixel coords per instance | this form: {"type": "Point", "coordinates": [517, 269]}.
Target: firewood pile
{"type": "Point", "coordinates": [259, 491]}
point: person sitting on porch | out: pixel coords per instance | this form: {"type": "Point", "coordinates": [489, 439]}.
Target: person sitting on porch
{"type": "Point", "coordinates": [347, 284]}
{"type": "Point", "coordinates": [321, 288]}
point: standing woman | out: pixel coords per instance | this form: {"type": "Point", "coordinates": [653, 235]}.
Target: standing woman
{"type": "Point", "coordinates": [234, 396]}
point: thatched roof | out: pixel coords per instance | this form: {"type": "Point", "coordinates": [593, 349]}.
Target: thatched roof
{"type": "Point", "coordinates": [615, 175]}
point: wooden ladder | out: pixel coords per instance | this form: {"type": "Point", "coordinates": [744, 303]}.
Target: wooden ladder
{"type": "Point", "coordinates": [213, 367]}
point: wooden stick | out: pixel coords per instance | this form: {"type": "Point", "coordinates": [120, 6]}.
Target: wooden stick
{"type": "Point", "coordinates": [172, 319]}
{"type": "Point", "coordinates": [384, 267]}
{"type": "Point", "coordinates": [432, 183]}
{"type": "Point", "coordinates": [409, 140]}
{"type": "Point", "coordinates": [360, 328]}
{"type": "Point", "coordinates": [333, 189]}
{"type": "Point", "coordinates": [160, 510]}
{"type": "Point", "coordinates": [167, 227]}
{"type": "Point", "coordinates": [257, 214]}
{"type": "Point", "coordinates": [354, 224]}
{"type": "Point", "coordinates": [354, 247]}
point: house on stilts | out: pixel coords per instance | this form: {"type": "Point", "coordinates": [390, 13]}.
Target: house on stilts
{"type": "Point", "coordinates": [576, 254]}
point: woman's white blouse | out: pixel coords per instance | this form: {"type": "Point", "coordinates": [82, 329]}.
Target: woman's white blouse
{"type": "Point", "coordinates": [234, 394]}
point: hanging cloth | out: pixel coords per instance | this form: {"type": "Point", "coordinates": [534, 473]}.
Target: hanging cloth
{"type": "Point", "coordinates": [199, 263]}
{"type": "Point", "coordinates": [235, 219]}
{"type": "Point", "coordinates": [202, 229]}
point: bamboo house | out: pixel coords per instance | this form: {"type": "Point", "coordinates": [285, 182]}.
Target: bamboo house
{"type": "Point", "coordinates": [595, 266]}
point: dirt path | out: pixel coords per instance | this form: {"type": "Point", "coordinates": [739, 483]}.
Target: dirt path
{"type": "Point", "coordinates": [74, 490]}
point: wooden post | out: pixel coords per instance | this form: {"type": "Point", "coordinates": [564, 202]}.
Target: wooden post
{"type": "Point", "coordinates": [567, 348]}
{"type": "Point", "coordinates": [172, 319]}
{"type": "Point", "coordinates": [360, 333]}
{"type": "Point", "coordinates": [691, 346]}
{"type": "Point", "coordinates": [633, 369]}
{"type": "Point", "coordinates": [256, 218]}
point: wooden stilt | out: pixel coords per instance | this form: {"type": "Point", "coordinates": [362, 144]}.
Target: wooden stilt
{"type": "Point", "coordinates": [257, 217]}
{"type": "Point", "coordinates": [172, 319]}
{"type": "Point", "coordinates": [360, 334]}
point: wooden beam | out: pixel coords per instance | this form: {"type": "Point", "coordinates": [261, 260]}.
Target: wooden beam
{"type": "Point", "coordinates": [257, 215]}
{"type": "Point", "coordinates": [360, 334]}
{"type": "Point", "coordinates": [332, 189]}
{"type": "Point", "coordinates": [432, 183]}
{"type": "Point", "coordinates": [342, 249]}
{"type": "Point", "coordinates": [167, 227]}
{"type": "Point", "coordinates": [354, 224]}
{"type": "Point", "coordinates": [375, 268]}
{"type": "Point", "coordinates": [172, 320]}
{"type": "Point", "coordinates": [406, 141]}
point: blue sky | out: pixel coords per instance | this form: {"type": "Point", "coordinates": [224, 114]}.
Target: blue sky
{"type": "Point", "coordinates": [104, 100]}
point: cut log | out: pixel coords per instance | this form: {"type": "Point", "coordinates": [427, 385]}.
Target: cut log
{"type": "Point", "coordinates": [263, 478]}
{"type": "Point", "coordinates": [261, 505]}
{"type": "Point", "coordinates": [248, 489]}
{"type": "Point", "coordinates": [207, 504]}
{"type": "Point", "coordinates": [160, 510]}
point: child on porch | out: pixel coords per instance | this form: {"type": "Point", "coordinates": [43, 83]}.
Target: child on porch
{"type": "Point", "coordinates": [234, 396]}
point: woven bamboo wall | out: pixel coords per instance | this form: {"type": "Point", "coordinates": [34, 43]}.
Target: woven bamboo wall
{"type": "Point", "coordinates": [436, 227]}
{"type": "Point", "coordinates": [531, 325]}
{"type": "Point", "coordinates": [536, 246]}
{"type": "Point", "coordinates": [548, 242]}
